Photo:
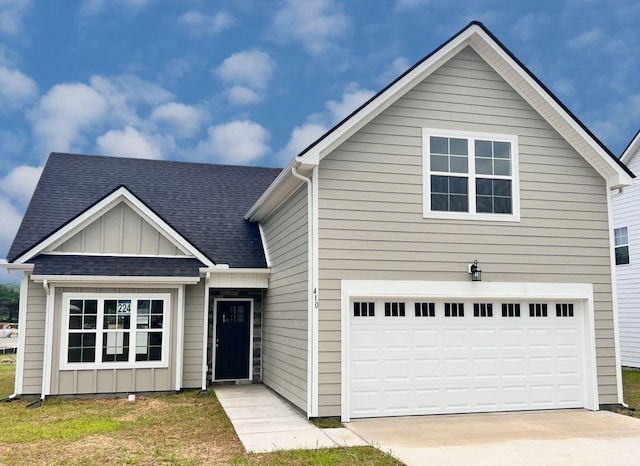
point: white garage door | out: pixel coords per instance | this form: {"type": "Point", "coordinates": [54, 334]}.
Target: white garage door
{"type": "Point", "coordinates": [433, 357]}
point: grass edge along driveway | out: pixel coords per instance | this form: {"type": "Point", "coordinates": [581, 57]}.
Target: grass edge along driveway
{"type": "Point", "coordinates": [178, 429]}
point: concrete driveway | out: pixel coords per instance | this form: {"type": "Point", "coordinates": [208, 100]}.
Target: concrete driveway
{"type": "Point", "coordinates": [562, 437]}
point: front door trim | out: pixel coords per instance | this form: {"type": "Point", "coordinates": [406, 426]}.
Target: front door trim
{"type": "Point", "coordinates": [215, 336]}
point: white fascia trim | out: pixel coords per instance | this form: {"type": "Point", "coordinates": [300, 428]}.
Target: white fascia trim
{"type": "Point", "coordinates": [632, 150]}
{"type": "Point", "coordinates": [120, 195]}
{"type": "Point", "coordinates": [10, 266]}
{"type": "Point", "coordinates": [107, 254]}
{"type": "Point", "coordinates": [232, 271]}
{"type": "Point", "coordinates": [481, 42]}
{"type": "Point", "coordinates": [271, 189]}
{"type": "Point", "coordinates": [386, 99]}
{"type": "Point", "coordinates": [125, 281]}
{"type": "Point", "coordinates": [469, 290]}
{"type": "Point", "coordinates": [267, 256]}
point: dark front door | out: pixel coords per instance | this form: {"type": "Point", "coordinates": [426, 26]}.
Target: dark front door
{"type": "Point", "coordinates": [233, 324]}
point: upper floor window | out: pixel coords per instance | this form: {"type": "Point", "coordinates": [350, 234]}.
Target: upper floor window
{"type": "Point", "coordinates": [470, 175]}
{"type": "Point", "coordinates": [621, 239]}
{"type": "Point", "coordinates": [113, 331]}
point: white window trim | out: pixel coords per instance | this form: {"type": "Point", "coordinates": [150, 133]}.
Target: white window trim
{"type": "Point", "coordinates": [131, 364]}
{"type": "Point", "coordinates": [471, 175]}
{"type": "Point", "coordinates": [627, 244]}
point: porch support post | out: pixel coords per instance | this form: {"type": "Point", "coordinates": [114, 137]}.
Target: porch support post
{"type": "Point", "coordinates": [205, 331]}
{"type": "Point", "coordinates": [180, 339]}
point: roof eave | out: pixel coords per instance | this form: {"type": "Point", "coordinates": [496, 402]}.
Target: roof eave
{"type": "Point", "coordinates": [631, 150]}
{"type": "Point", "coordinates": [513, 71]}
{"type": "Point", "coordinates": [278, 191]}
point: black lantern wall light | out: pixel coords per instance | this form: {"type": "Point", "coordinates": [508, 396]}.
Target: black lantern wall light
{"type": "Point", "coordinates": [476, 273]}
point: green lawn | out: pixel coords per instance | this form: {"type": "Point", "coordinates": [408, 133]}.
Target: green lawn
{"type": "Point", "coordinates": [631, 387]}
{"type": "Point", "coordinates": [180, 429]}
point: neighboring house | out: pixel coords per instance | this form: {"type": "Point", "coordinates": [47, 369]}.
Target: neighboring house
{"type": "Point", "coordinates": [626, 232]}
{"type": "Point", "coordinates": [343, 282]}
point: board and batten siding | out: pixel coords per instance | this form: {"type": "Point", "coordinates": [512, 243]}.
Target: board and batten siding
{"type": "Point", "coordinates": [626, 213]}
{"type": "Point", "coordinates": [371, 224]}
{"type": "Point", "coordinates": [119, 231]}
{"type": "Point", "coordinates": [285, 316]}
{"type": "Point", "coordinates": [97, 381]}
{"type": "Point", "coordinates": [34, 339]}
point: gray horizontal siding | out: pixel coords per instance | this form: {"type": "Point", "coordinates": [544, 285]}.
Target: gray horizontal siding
{"type": "Point", "coordinates": [193, 341]}
{"type": "Point", "coordinates": [285, 321]}
{"type": "Point", "coordinates": [34, 339]}
{"type": "Point", "coordinates": [371, 224]}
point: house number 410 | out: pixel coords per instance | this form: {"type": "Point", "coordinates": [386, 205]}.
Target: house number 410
{"type": "Point", "coordinates": [315, 298]}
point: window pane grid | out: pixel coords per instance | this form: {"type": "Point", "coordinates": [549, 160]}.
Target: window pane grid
{"type": "Point", "coordinates": [487, 175]}
{"type": "Point", "coordinates": [425, 309]}
{"type": "Point", "coordinates": [115, 325]}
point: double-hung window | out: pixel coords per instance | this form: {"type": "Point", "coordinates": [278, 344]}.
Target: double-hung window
{"type": "Point", "coordinates": [115, 330]}
{"type": "Point", "coordinates": [621, 239]}
{"type": "Point", "coordinates": [470, 175]}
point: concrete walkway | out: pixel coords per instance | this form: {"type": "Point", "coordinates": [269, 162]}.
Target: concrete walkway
{"type": "Point", "coordinates": [264, 422]}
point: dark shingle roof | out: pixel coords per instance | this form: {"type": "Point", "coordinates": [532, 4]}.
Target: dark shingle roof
{"type": "Point", "coordinates": [204, 203]}
{"type": "Point", "coordinates": [116, 266]}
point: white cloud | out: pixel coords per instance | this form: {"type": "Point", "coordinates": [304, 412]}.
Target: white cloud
{"type": "Point", "coordinates": [16, 88]}
{"type": "Point", "coordinates": [63, 113]}
{"type": "Point", "coordinates": [11, 15]}
{"type": "Point", "coordinates": [352, 98]}
{"type": "Point", "coordinates": [410, 4]}
{"type": "Point", "coordinates": [199, 24]}
{"type": "Point", "coordinates": [586, 39]}
{"type": "Point", "coordinates": [250, 67]}
{"type": "Point", "coordinates": [130, 143]}
{"type": "Point", "coordinates": [317, 24]}
{"type": "Point", "coordinates": [237, 142]}
{"type": "Point", "coordinates": [11, 219]}
{"type": "Point", "coordinates": [249, 71]}
{"type": "Point", "coordinates": [181, 119]}
{"type": "Point", "coordinates": [526, 26]}
{"type": "Point", "coordinates": [20, 183]}
{"type": "Point", "coordinates": [319, 123]}
{"type": "Point", "coordinates": [69, 115]}
{"type": "Point", "coordinates": [240, 95]}
{"type": "Point", "coordinates": [96, 7]}
{"type": "Point", "coordinates": [399, 66]}
{"type": "Point", "coordinates": [301, 138]}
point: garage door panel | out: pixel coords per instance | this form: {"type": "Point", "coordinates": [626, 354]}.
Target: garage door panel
{"type": "Point", "coordinates": [429, 365]}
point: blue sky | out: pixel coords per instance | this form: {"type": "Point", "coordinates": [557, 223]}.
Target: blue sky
{"type": "Point", "coordinates": [253, 82]}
